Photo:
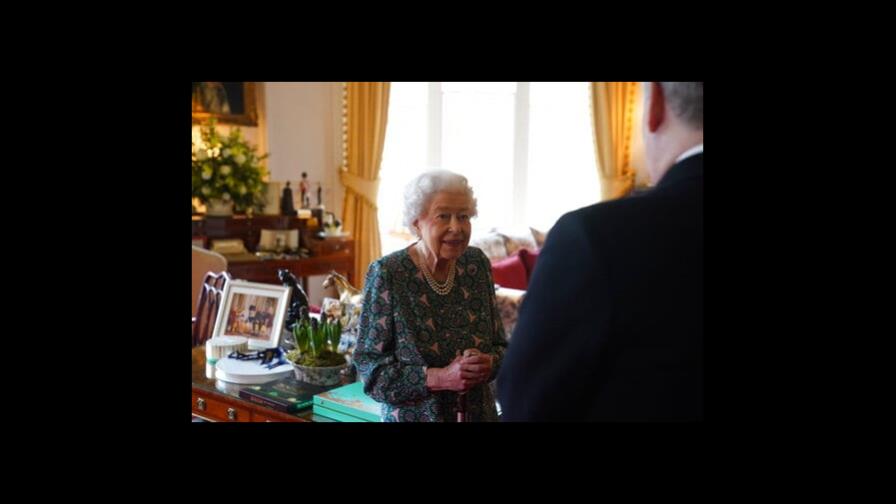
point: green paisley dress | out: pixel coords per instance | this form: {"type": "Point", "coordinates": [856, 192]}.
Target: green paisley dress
{"type": "Point", "coordinates": [405, 325]}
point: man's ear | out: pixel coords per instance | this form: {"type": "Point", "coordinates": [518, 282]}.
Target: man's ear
{"type": "Point", "coordinates": [656, 107]}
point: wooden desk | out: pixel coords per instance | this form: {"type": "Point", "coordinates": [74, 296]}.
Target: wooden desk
{"type": "Point", "coordinates": [246, 228]}
{"type": "Point", "coordinates": [219, 401]}
{"type": "Point", "coordinates": [266, 271]}
{"type": "Point", "coordinates": [329, 254]}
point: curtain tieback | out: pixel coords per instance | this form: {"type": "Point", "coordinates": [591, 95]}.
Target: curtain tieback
{"type": "Point", "coordinates": [365, 188]}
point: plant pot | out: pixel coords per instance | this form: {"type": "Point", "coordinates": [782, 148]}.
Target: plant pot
{"type": "Point", "coordinates": [324, 376]}
{"type": "Point", "coordinates": [219, 208]}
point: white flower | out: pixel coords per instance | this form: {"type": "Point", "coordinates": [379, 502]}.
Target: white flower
{"type": "Point", "coordinates": [225, 169]}
{"type": "Point", "coordinates": [226, 196]}
{"type": "Point", "coordinates": [225, 152]}
{"type": "Point", "coordinates": [206, 173]}
{"type": "Point", "coordinates": [240, 159]}
{"type": "Point", "coordinates": [202, 154]}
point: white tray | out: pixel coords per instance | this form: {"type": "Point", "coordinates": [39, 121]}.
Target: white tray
{"type": "Point", "coordinates": [249, 372]}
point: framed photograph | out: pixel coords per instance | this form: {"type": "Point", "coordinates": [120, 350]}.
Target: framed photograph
{"type": "Point", "coordinates": [278, 240]}
{"type": "Point", "coordinates": [228, 102]}
{"type": "Point", "coordinates": [253, 310]}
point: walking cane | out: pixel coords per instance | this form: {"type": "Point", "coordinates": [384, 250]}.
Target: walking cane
{"type": "Point", "coordinates": [462, 398]}
{"type": "Point", "coordinates": [462, 407]}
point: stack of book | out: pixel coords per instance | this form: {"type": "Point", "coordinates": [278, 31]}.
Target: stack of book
{"type": "Point", "coordinates": [348, 403]}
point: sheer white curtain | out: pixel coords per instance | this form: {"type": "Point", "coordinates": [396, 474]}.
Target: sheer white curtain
{"type": "Point", "coordinates": [525, 147]}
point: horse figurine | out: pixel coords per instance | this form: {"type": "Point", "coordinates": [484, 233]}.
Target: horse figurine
{"type": "Point", "coordinates": [350, 299]}
{"type": "Point", "coordinates": [348, 295]}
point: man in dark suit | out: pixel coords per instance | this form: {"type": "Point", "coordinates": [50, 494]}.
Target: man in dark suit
{"type": "Point", "coordinates": [612, 324]}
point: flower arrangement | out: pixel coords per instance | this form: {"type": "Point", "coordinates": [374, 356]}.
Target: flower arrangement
{"type": "Point", "coordinates": [227, 168]}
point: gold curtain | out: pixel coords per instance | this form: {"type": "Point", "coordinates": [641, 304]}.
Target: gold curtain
{"type": "Point", "coordinates": [364, 114]}
{"type": "Point", "coordinates": [612, 107]}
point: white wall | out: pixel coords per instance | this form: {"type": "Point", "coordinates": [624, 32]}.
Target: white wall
{"type": "Point", "coordinates": [303, 124]}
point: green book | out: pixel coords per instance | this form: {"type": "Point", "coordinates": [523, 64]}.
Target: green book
{"type": "Point", "coordinates": [287, 394]}
{"type": "Point", "coordinates": [348, 403]}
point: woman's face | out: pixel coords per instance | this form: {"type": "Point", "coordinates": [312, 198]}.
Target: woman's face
{"type": "Point", "coordinates": [445, 225]}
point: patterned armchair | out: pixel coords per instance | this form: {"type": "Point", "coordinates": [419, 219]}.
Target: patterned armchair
{"type": "Point", "coordinates": [513, 253]}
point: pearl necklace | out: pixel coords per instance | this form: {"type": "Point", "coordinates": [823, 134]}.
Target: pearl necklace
{"type": "Point", "coordinates": [441, 289]}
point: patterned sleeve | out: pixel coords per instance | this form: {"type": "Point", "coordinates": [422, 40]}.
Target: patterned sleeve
{"type": "Point", "coordinates": [498, 338]}
{"type": "Point", "coordinates": [386, 379]}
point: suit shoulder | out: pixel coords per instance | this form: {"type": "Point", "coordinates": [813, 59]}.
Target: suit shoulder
{"type": "Point", "coordinates": [589, 215]}
{"type": "Point", "coordinates": [601, 223]}
{"type": "Point", "coordinates": [608, 214]}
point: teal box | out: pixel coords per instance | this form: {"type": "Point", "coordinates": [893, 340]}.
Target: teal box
{"type": "Point", "coordinates": [348, 403]}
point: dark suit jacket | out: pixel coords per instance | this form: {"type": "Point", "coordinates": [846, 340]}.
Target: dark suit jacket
{"type": "Point", "coordinates": [612, 324]}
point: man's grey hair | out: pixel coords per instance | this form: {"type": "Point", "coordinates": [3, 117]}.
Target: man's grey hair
{"type": "Point", "coordinates": [686, 101]}
{"type": "Point", "coordinates": [419, 192]}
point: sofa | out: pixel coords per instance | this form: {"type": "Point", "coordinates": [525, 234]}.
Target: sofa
{"type": "Point", "coordinates": [513, 253]}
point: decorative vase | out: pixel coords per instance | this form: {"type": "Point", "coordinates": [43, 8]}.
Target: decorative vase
{"type": "Point", "coordinates": [325, 376]}
{"type": "Point", "coordinates": [219, 208]}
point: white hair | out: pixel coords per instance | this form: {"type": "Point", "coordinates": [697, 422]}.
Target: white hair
{"type": "Point", "coordinates": [419, 193]}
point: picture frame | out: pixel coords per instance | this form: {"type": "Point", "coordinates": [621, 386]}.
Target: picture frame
{"type": "Point", "coordinates": [252, 310]}
{"type": "Point", "coordinates": [227, 102]}
{"type": "Point", "coordinates": [279, 240]}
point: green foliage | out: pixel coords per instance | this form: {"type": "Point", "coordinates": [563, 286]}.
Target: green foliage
{"type": "Point", "coordinates": [317, 343]}
{"type": "Point", "coordinates": [335, 334]}
{"type": "Point", "coordinates": [228, 168]}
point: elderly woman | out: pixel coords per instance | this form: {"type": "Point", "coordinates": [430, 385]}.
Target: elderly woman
{"type": "Point", "coordinates": [430, 338]}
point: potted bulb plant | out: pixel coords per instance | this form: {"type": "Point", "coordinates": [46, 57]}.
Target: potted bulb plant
{"type": "Point", "coordinates": [316, 358]}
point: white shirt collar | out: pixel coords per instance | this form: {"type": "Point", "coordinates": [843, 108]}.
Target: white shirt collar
{"type": "Point", "coordinates": [697, 149]}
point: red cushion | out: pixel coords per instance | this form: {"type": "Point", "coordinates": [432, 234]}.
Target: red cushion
{"type": "Point", "coordinates": [510, 273]}
{"type": "Point", "coordinates": [529, 257]}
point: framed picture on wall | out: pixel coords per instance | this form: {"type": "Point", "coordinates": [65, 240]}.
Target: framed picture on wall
{"type": "Point", "coordinates": [228, 102]}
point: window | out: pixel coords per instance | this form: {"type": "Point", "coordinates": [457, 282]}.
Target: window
{"type": "Point", "coordinates": [526, 149]}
